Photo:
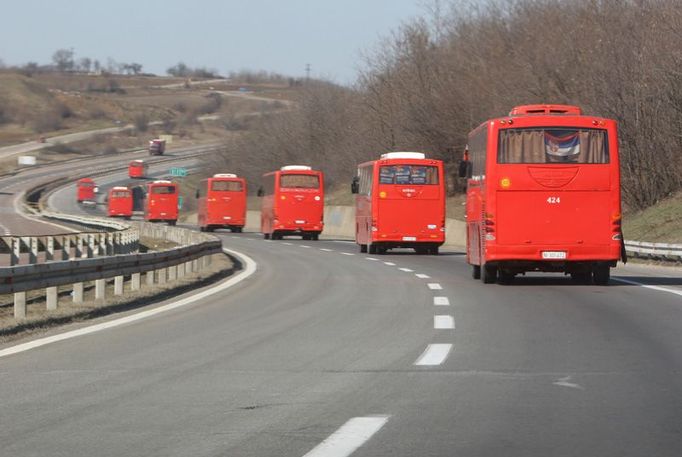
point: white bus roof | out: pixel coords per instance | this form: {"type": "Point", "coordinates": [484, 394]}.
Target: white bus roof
{"type": "Point", "coordinates": [162, 181]}
{"type": "Point", "coordinates": [403, 155]}
{"type": "Point", "coordinates": [224, 175]}
{"type": "Point", "coordinates": [119, 188]}
{"type": "Point", "coordinates": [138, 160]}
{"type": "Point", "coordinates": [295, 167]}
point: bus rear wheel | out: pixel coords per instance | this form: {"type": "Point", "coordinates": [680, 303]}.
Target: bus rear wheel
{"type": "Point", "coordinates": [363, 248]}
{"type": "Point", "coordinates": [476, 271]}
{"type": "Point", "coordinates": [266, 236]}
{"type": "Point", "coordinates": [601, 274]}
{"type": "Point", "coordinates": [372, 248]}
{"type": "Point", "coordinates": [172, 222]}
{"type": "Point", "coordinates": [505, 277]}
{"type": "Point", "coordinates": [488, 274]}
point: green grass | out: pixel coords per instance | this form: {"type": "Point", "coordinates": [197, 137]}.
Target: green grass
{"type": "Point", "coordinates": [661, 223]}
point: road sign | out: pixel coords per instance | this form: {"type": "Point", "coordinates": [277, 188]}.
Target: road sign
{"type": "Point", "coordinates": [178, 171]}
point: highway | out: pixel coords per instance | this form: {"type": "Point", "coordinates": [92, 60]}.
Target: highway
{"type": "Point", "coordinates": [324, 351]}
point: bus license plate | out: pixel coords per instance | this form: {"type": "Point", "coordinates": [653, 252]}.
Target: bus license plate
{"type": "Point", "coordinates": [300, 222]}
{"type": "Point", "coordinates": [409, 238]}
{"type": "Point", "coordinates": [553, 254]}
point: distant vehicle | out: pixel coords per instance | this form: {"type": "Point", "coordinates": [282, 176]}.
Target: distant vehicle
{"type": "Point", "coordinates": [161, 204]}
{"type": "Point", "coordinates": [120, 202]}
{"type": "Point", "coordinates": [85, 190]}
{"type": "Point", "coordinates": [138, 169]}
{"type": "Point", "coordinates": [222, 203]}
{"type": "Point", "coordinates": [157, 147]}
{"type": "Point", "coordinates": [293, 203]}
{"type": "Point", "coordinates": [543, 194]}
{"type": "Point", "coordinates": [400, 203]}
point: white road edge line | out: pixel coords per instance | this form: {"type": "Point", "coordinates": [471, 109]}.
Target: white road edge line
{"type": "Point", "coordinates": [434, 286]}
{"type": "Point", "coordinates": [422, 276]}
{"type": "Point", "coordinates": [434, 354]}
{"type": "Point", "coordinates": [349, 437]}
{"type": "Point", "coordinates": [647, 286]}
{"type": "Point", "coordinates": [390, 264]}
{"type": "Point", "coordinates": [250, 268]}
{"type": "Point", "coordinates": [443, 322]}
{"type": "Point", "coordinates": [406, 270]}
{"type": "Point", "coordinates": [441, 301]}
{"type": "Point", "coordinates": [326, 250]}
{"type": "Point", "coordinates": [371, 258]}
{"type": "Point", "coordinates": [347, 253]}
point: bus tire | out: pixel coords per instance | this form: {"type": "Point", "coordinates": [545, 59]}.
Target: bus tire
{"type": "Point", "coordinates": [202, 228]}
{"type": "Point", "coordinates": [488, 274]}
{"type": "Point", "coordinates": [266, 236]}
{"type": "Point", "coordinates": [363, 248]}
{"type": "Point", "coordinates": [476, 271]}
{"type": "Point", "coordinates": [601, 274]}
{"type": "Point", "coordinates": [315, 236]}
{"type": "Point", "coordinates": [372, 248]}
{"type": "Point", "coordinates": [433, 250]}
{"type": "Point", "coordinates": [172, 222]}
{"type": "Point", "coordinates": [239, 230]}
{"type": "Point", "coordinates": [421, 250]}
{"type": "Point", "coordinates": [505, 277]}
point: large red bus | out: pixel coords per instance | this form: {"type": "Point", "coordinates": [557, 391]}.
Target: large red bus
{"type": "Point", "coordinates": [543, 194]}
{"type": "Point", "coordinates": [400, 203]}
{"type": "Point", "coordinates": [137, 169]}
{"type": "Point", "coordinates": [222, 203]}
{"type": "Point", "coordinates": [293, 203]}
{"type": "Point", "coordinates": [120, 202]}
{"type": "Point", "coordinates": [85, 190]}
{"type": "Point", "coordinates": [161, 203]}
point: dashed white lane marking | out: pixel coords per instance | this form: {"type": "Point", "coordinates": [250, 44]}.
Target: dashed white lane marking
{"type": "Point", "coordinates": [390, 264]}
{"type": "Point", "coordinates": [435, 354]}
{"type": "Point", "coordinates": [304, 246]}
{"type": "Point", "coordinates": [235, 237]}
{"type": "Point", "coordinates": [349, 437]}
{"type": "Point", "coordinates": [406, 270]}
{"type": "Point", "coordinates": [326, 250]}
{"type": "Point", "coordinates": [250, 268]}
{"type": "Point", "coordinates": [422, 276]}
{"type": "Point", "coordinates": [443, 321]}
{"type": "Point", "coordinates": [565, 382]}
{"type": "Point", "coordinates": [371, 258]}
{"type": "Point", "coordinates": [647, 286]}
{"type": "Point", "coordinates": [434, 286]}
{"type": "Point", "coordinates": [288, 244]}
{"type": "Point", "coordinates": [441, 301]}
{"type": "Point", "coordinates": [347, 253]}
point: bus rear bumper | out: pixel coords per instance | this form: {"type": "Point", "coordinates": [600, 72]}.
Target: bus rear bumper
{"type": "Point", "coordinates": [552, 258]}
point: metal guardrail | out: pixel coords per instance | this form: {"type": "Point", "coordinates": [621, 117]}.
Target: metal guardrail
{"type": "Point", "coordinates": [658, 251]}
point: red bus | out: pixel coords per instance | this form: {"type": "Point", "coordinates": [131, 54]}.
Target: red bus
{"type": "Point", "coordinates": [543, 194]}
{"type": "Point", "coordinates": [293, 203]}
{"type": "Point", "coordinates": [120, 202]}
{"type": "Point", "coordinates": [222, 203]}
{"type": "Point", "coordinates": [85, 190]}
{"type": "Point", "coordinates": [162, 202]}
{"type": "Point", "coordinates": [400, 203]}
{"type": "Point", "coordinates": [137, 169]}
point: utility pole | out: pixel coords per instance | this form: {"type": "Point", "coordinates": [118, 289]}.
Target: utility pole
{"type": "Point", "coordinates": [307, 72]}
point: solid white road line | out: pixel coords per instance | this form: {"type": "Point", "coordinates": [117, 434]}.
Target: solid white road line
{"type": "Point", "coordinates": [349, 437]}
{"type": "Point", "coordinates": [390, 264]}
{"type": "Point", "coordinates": [347, 253]}
{"type": "Point", "coordinates": [406, 270]}
{"type": "Point", "coordinates": [422, 276]}
{"type": "Point", "coordinates": [371, 258]}
{"type": "Point", "coordinates": [434, 286]}
{"type": "Point", "coordinates": [647, 286]}
{"type": "Point", "coordinates": [435, 354]}
{"type": "Point", "coordinates": [250, 268]}
{"type": "Point", "coordinates": [443, 321]}
{"type": "Point", "coordinates": [441, 301]}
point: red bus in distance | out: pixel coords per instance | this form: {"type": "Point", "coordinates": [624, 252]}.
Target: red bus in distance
{"type": "Point", "coordinates": [400, 203]}
{"type": "Point", "coordinates": [161, 204]}
{"type": "Point", "coordinates": [138, 169]}
{"type": "Point", "coordinates": [85, 190]}
{"type": "Point", "coordinates": [222, 203]}
{"type": "Point", "coordinates": [120, 202]}
{"type": "Point", "coordinates": [293, 203]}
{"type": "Point", "coordinates": [543, 194]}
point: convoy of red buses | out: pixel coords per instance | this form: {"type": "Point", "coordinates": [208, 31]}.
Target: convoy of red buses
{"type": "Point", "coordinates": [85, 190]}
{"type": "Point", "coordinates": [120, 202]}
{"type": "Point", "coordinates": [162, 202]}
{"type": "Point", "coordinates": [222, 203]}
{"type": "Point", "coordinates": [400, 203]}
{"type": "Point", "coordinates": [292, 203]}
{"type": "Point", "coordinates": [543, 194]}
{"type": "Point", "coordinates": [137, 169]}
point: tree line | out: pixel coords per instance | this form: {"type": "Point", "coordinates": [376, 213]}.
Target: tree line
{"type": "Point", "coordinates": [439, 76]}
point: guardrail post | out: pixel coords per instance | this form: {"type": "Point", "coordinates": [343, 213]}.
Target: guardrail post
{"type": "Point", "coordinates": [49, 248]}
{"type": "Point", "coordinates": [135, 281]}
{"type": "Point", "coordinates": [20, 305]}
{"type": "Point", "coordinates": [181, 270]}
{"type": "Point", "coordinates": [15, 256]}
{"type": "Point", "coordinates": [80, 247]}
{"type": "Point", "coordinates": [195, 265]}
{"type": "Point", "coordinates": [172, 273]}
{"type": "Point", "coordinates": [51, 298]}
{"type": "Point", "coordinates": [110, 248]}
{"type": "Point", "coordinates": [100, 287]}
{"type": "Point", "coordinates": [189, 267]}
{"type": "Point", "coordinates": [118, 285]}
{"type": "Point", "coordinates": [103, 248]}
{"type": "Point", "coordinates": [90, 249]}
{"type": "Point", "coordinates": [33, 253]}
{"type": "Point", "coordinates": [162, 275]}
{"type": "Point", "coordinates": [149, 277]}
{"type": "Point", "coordinates": [77, 292]}
{"type": "Point", "coordinates": [208, 259]}
{"type": "Point", "coordinates": [66, 247]}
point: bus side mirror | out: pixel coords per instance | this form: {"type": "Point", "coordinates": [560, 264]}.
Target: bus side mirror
{"type": "Point", "coordinates": [355, 185]}
{"type": "Point", "coordinates": [261, 192]}
{"type": "Point", "coordinates": [465, 169]}
{"type": "Point", "coordinates": [197, 194]}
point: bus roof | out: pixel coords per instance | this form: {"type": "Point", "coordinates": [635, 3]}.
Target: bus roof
{"type": "Point", "coordinates": [224, 175]}
{"type": "Point", "coordinates": [137, 161]}
{"type": "Point", "coordinates": [119, 188]}
{"type": "Point", "coordinates": [403, 155]}
{"type": "Point", "coordinates": [524, 110]}
{"type": "Point", "coordinates": [295, 167]}
{"type": "Point", "coordinates": [161, 181]}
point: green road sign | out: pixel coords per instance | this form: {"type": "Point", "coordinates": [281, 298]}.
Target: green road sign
{"type": "Point", "coordinates": [178, 171]}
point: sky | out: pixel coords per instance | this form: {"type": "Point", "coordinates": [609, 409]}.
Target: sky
{"type": "Point", "coordinates": [279, 36]}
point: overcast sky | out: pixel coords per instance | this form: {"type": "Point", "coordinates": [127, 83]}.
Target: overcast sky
{"type": "Point", "coordinates": [229, 35]}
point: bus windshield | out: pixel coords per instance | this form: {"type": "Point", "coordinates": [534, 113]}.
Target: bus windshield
{"type": "Point", "coordinates": [163, 190]}
{"type": "Point", "coordinates": [408, 174]}
{"type": "Point", "coordinates": [226, 186]}
{"type": "Point", "coordinates": [553, 145]}
{"type": "Point", "coordinates": [299, 181]}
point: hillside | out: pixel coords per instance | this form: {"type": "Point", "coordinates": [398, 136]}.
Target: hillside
{"type": "Point", "coordinates": [661, 223]}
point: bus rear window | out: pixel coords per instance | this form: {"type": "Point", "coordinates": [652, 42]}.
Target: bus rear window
{"type": "Point", "coordinates": [299, 181]}
{"type": "Point", "coordinates": [408, 174]}
{"type": "Point", "coordinates": [163, 190]}
{"type": "Point", "coordinates": [226, 186]}
{"type": "Point", "coordinates": [120, 194]}
{"type": "Point", "coordinates": [553, 145]}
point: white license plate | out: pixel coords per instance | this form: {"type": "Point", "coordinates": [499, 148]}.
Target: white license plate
{"type": "Point", "coordinates": [409, 238]}
{"type": "Point", "coordinates": [300, 222]}
{"type": "Point", "coordinates": [553, 254]}
{"type": "Point", "coordinates": [227, 218]}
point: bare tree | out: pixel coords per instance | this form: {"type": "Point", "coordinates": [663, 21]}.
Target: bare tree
{"type": "Point", "coordinates": [63, 59]}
